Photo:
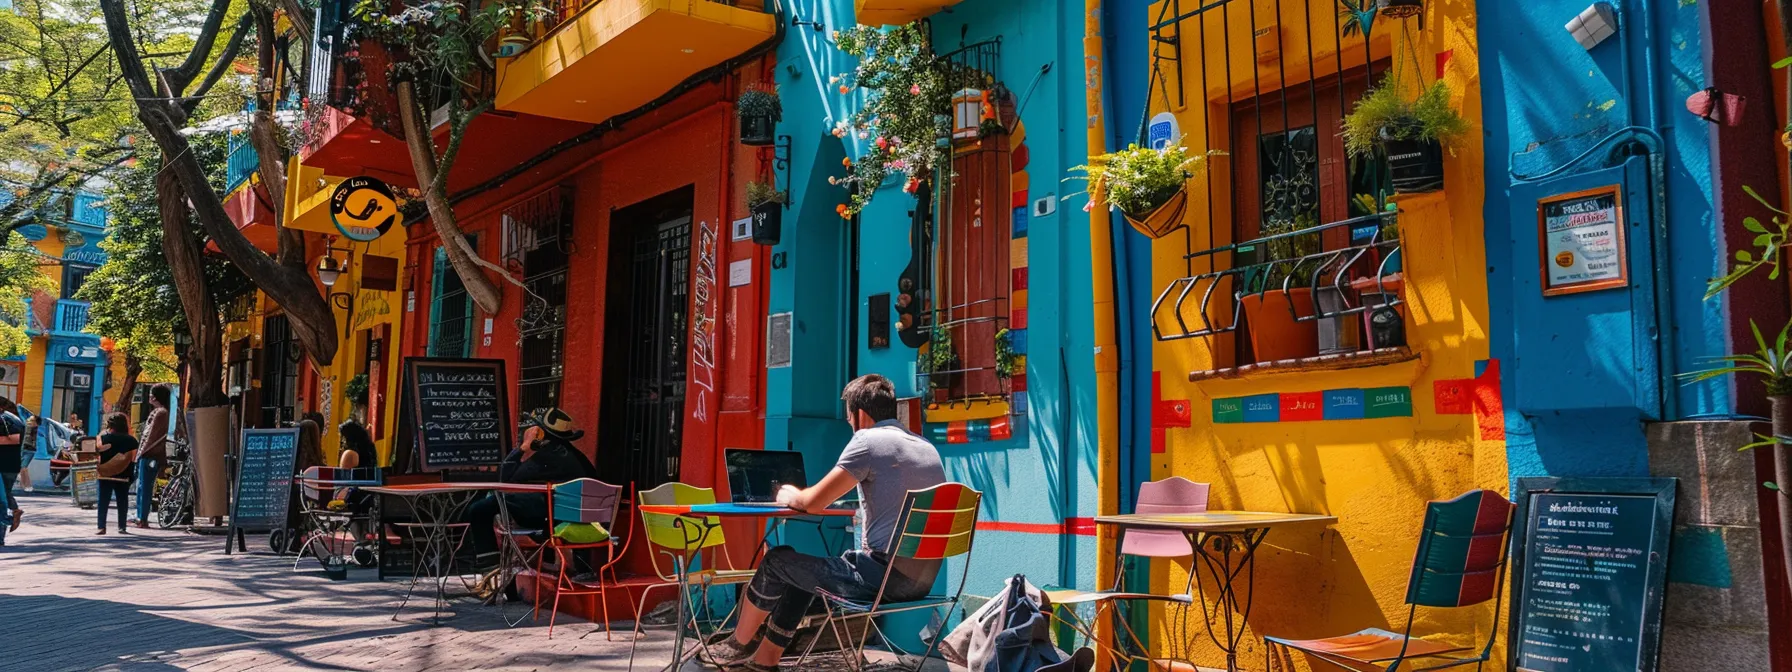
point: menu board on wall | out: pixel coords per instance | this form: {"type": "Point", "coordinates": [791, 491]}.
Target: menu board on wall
{"type": "Point", "coordinates": [1590, 569]}
{"type": "Point", "coordinates": [1582, 241]}
{"type": "Point", "coordinates": [459, 410]}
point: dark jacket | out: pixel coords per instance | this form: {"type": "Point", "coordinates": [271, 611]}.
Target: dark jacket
{"type": "Point", "coordinates": [554, 461]}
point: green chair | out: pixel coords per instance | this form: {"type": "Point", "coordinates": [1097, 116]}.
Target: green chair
{"type": "Point", "coordinates": [680, 545]}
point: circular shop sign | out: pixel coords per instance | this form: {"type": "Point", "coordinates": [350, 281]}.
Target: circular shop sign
{"type": "Point", "coordinates": [363, 209]}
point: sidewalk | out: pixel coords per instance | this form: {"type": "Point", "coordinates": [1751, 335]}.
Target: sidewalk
{"type": "Point", "coordinates": [160, 600]}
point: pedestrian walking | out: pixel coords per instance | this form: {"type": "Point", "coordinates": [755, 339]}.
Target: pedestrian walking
{"type": "Point", "coordinates": [118, 461]}
{"type": "Point", "coordinates": [152, 455]}
{"type": "Point", "coordinates": [12, 436]}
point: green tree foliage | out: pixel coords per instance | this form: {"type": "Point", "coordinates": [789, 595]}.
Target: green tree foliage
{"type": "Point", "coordinates": [133, 296]}
{"type": "Point", "coordinates": [19, 278]}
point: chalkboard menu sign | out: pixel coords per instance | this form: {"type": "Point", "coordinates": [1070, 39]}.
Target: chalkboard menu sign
{"type": "Point", "coordinates": [1591, 565]}
{"type": "Point", "coordinates": [265, 462]}
{"type": "Point", "coordinates": [459, 411]}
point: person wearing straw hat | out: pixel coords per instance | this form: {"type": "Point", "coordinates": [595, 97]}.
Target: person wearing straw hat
{"type": "Point", "coordinates": [545, 455]}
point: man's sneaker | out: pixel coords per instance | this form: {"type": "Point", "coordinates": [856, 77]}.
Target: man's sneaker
{"type": "Point", "coordinates": [724, 652]}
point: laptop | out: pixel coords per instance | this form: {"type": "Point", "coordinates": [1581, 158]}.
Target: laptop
{"type": "Point", "coordinates": [754, 476]}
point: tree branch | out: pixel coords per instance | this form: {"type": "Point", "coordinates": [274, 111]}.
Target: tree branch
{"type": "Point", "coordinates": [220, 66]}
{"type": "Point", "coordinates": [179, 77]}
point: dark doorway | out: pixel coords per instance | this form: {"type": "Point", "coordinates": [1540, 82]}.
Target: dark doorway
{"type": "Point", "coordinates": [279, 373]}
{"type": "Point", "coordinates": [645, 336]}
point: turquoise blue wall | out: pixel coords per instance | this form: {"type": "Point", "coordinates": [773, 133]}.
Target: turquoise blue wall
{"type": "Point", "coordinates": [1045, 474]}
{"type": "Point", "coordinates": [1548, 101]}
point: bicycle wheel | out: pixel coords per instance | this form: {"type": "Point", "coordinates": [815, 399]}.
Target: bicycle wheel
{"type": "Point", "coordinates": [176, 508]}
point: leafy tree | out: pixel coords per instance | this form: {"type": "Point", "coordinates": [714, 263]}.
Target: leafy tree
{"type": "Point", "coordinates": [19, 278]}
{"type": "Point", "coordinates": [133, 295]}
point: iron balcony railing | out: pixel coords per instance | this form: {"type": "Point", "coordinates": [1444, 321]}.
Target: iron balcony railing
{"type": "Point", "coordinates": [71, 316]}
{"type": "Point", "coordinates": [1354, 278]}
{"type": "Point", "coordinates": [240, 164]}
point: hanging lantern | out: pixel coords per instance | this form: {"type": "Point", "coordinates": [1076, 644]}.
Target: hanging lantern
{"type": "Point", "coordinates": [967, 114]}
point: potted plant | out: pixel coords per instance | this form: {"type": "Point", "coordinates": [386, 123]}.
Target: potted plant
{"type": "Point", "coordinates": [939, 362]}
{"type": "Point", "coordinates": [1280, 289]}
{"type": "Point", "coordinates": [760, 111]}
{"type": "Point", "coordinates": [767, 204]}
{"type": "Point", "coordinates": [1407, 133]}
{"type": "Point", "coordinates": [356, 394]}
{"type": "Point", "coordinates": [1149, 186]}
{"type": "Point", "coordinates": [1007, 362]}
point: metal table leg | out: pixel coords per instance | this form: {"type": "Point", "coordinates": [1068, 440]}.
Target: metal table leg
{"type": "Point", "coordinates": [1231, 554]}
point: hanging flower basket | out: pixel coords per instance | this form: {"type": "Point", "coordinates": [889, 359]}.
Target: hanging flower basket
{"type": "Point", "coordinates": [768, 223]}
{"type": "Point", "coordinates": [1415, 166]}
{"type": "Point", "coordinates": [1164, 219]}
{"type": "Point", "coordinates": [760, 111]}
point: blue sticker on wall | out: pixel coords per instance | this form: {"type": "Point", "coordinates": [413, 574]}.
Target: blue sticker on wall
{"type": "Point", "coordinates": [1344, 404]}
{"type": "Point", "coordinates": [1263, 408]}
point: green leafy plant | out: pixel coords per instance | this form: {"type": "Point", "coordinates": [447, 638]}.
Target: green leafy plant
{"type": "Point", "coordinates": [356, 390]}
{"type": "Point", "coordinates": [1006, 359]}
{"type": "Point", "coordinates": [904, 114]}
{"type": "Point", "coordinates": [1287, 255]}
{"type": "Point", "coordinates": [1137, 179]}
{"type": "Point", "coordinates": [443, 38]}
{"type": "Point", "coordinates": [759, 193]}
{"type": "Point", "coordinates": [1769, 239]}
{"type": "Point", "coordinates": [1772, 362]}
{"type": "Point", "coordinates": [760, 103]}
{"type": "Point", "coordinates": [1385, 114]}
{"type": "Point", "coordinates": [938, 357]}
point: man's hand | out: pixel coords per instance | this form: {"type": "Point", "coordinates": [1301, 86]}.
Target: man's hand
{"type": "Point", "coordinates": [788, 495]}
{"type": "Point", "coordinates": [529, 437]}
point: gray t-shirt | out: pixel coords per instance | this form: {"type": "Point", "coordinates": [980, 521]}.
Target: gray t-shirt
{"type": "Point", "coordinates": [888, 461]}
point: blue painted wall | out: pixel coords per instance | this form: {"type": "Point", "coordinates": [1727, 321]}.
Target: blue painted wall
{"type": "Point", "coordinates": [1045, 474]}
{"type": "Point", "coordinates": [1548, 102]}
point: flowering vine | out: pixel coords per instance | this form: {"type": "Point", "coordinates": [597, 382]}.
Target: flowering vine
{"type": "Point", "coordinates": [904, 114]}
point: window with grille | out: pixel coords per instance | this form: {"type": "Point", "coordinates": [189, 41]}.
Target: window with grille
{"type": "Point", "coordinates": [966, 289]}
{"type": "Point", "coordinates": [73, 276]}
{"type": "Point", "coordinates": [536, 239]}
{"type": "Point", "coordinates": [451, 310]}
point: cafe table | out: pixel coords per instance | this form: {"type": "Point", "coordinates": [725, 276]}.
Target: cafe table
{"type": "Point", "coordinates": [1225, 543]}
{"type": "Point", "coordinates": [439, 507]}
{"type": "Point", "coordinates": [708, 517]}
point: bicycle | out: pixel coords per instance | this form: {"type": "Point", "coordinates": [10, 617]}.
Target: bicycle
{"type": "Point", "coordinates": [174, 500]}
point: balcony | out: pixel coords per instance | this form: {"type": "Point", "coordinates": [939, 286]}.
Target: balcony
{"type": "Point", "coordinates": [71, 316]}
{"type": "Point", "coordinates": [610, 56]}
{"type": "Point", "coordinates": [241, 163]}
{"type": "Point", "coordinates": [896, 12]}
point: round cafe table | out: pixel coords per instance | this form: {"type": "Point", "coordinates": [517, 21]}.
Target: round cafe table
{"type": "Point", "coordinates": [439, 507]}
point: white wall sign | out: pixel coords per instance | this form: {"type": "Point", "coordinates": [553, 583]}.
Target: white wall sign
{"type": "Point", "coordinates": [1582, 241]}
{"type": "Point", "coordinates": [740, 272]}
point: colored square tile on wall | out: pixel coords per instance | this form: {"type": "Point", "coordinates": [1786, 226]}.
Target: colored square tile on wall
{"type": "Point", "coordinates": [1018, 278]}
{"type": "Point", "coordinates": [1344, 404]}
{"type": "Point", "coordinates": [1301, 407]}
{"type": "Point", "coordinates": [1017, 252]}
{"type": "Point", "coordinates": [1453, 396]}
{"type": "Point", "coordinates": [1017, 340]}
{"type": "Point", "coordinates": [1017, 318]}
{"type": "Point", "coordinates": [1262, 408]}
{"type": "Point", "coordinates": [1387, 402]}
{"type": "Point", "coordinates": [1228, 411]}
{"type": "Point", "coordinates": [1020, 217]}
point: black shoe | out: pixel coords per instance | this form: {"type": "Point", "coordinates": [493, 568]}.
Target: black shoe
{"type": "Point", "coordinates": [724, 652]}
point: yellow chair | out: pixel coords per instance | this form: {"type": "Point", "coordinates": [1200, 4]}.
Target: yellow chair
{"type": "Point", "coordinates": [685, 543]}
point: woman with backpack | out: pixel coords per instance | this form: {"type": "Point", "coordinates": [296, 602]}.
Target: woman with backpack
{"type": "Point", "coordinates": [118, 462]}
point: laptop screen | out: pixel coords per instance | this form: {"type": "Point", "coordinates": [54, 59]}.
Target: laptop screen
{"type": "Point", "coordinates": [756, 475]}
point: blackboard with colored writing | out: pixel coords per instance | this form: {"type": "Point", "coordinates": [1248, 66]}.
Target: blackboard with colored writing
{"type": "Point", "coordinates": [1589, 573]}
{"type": "Point", "coordinates": [459, 411]}
{"type": "Point", "coordinates": [264, 471]}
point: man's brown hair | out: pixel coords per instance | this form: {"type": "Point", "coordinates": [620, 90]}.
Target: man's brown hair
{"type": "Point", "coordinates": [873, 394]}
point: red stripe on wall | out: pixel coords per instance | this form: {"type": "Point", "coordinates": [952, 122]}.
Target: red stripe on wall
{"type": "Point", "coordinates": [1084, 527]}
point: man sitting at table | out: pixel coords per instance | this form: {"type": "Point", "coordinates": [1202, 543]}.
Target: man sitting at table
{"type": "Point", "coordinates": [545, 455]}
{"type": "Point", "coordinates": [884, 461]}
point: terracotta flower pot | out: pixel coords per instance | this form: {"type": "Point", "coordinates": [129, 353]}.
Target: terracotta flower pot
{"type": "Point", "coordinates": [1275, 335]}
{"type": "Point", "coordinates": [1161, 221]}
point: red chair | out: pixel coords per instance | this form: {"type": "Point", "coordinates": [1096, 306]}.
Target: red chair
{"type": "Point", "coordinates": [577, 502]}
{"type": "Point", "coordinates": [1461, 562]}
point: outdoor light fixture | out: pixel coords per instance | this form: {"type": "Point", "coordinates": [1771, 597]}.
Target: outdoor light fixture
{"type": "Point", "coordinates": [329, 270]}
{"type": "Point", "coordinates": [1593, 25]}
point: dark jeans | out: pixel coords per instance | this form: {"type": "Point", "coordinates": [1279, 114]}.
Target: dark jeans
{"type": "Point", "coordinates": [786, 582]}
{"type": "Point", "coordinates": [121, 490]}
{"type": "Point", "coordinates": [7, 501]}
{"type": "Point", "coordinates": [148, 470]}
{"type": "Point", "coordinates": [526, 511]}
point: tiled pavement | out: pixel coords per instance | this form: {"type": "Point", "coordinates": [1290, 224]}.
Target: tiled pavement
{"type": "Point", "coordinates": [158, 600]}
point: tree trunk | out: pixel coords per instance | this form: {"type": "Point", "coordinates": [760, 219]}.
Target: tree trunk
{"type": "Point", "coordinates": [460, 255]}
{"type": "Point", "coordinates": [133, 368]}
{"type": "Point", "coordinates": [205, 358]}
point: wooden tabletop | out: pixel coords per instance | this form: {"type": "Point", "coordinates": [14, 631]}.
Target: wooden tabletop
{"type": "Point", "coordinates": [735, 511]}
{"type": "Point", "coordinates": [413, 489]}
{"type": "Point", "coordinates": [1211, 521]}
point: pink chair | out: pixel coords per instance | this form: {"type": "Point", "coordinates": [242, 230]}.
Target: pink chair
{"type": "Point", "coordinates": [1171, 495]}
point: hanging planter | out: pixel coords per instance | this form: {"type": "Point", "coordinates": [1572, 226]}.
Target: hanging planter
{"type": "Point", "coordinates": [1149, 186]}
{"type": "Point", "coordinates": [1400, 9]}
{"type": "Point", "coordinates": [1407, 134]}
{"type": "Point", "coordinates": [760, 111]}
{"type": "Point", "coordinates": [1275, 334]}
{"type": "Point", "coordinates": [767, 204]}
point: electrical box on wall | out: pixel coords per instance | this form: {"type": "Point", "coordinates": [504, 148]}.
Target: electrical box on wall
{"type": "Point", "coordinates": [1583, 280]}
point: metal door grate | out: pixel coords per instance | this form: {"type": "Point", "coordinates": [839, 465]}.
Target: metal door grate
{"type": "Point", "coordinates": [656, 363]}
{"type": "Point", "coordinates": [280, 375]}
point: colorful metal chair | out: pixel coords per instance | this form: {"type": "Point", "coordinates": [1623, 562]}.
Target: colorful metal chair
{"type": "Point", "coordinates": [1169, 496]}
{"type": "Point", "coordinates": [688, 545]}
{"type": "Point", "coordinates": [581, 501]}
{"type": "Point", "coordinates": [936, 524]}
{"type": "Point", "coordinates": [1461, 562]}
{"type": "Point", "coordinates": [332, 529]}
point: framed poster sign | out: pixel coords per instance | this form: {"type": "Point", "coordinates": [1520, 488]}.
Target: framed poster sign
{"type": "Point", "coordinates": [1590, 567]}
{"type": "Point", "coordinates": [1581, 236]}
